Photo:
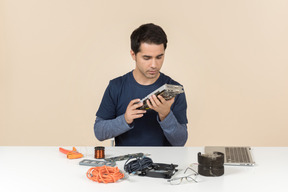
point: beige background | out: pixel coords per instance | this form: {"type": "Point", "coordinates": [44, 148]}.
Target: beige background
{"type": "Point", "coordinates": [58, 56]}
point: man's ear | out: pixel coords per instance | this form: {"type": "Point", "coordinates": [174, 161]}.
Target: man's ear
{"type": "Point", "coordinates": [133, 55]}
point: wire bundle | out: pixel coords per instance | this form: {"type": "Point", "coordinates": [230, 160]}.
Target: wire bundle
{"type": "Point", "coordinates": [138, 165]}
{"type": "Point", "coordinates": [104, 174]}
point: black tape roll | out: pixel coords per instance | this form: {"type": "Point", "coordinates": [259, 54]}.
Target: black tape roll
{"type": "Point", "coordinates": [211, 164]}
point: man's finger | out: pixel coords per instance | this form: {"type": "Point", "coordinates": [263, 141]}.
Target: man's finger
{"type": "Point", "coordinates": [162, 100]}
{"type": "Point", "coordinates": [132, 102]}
{"type": "Point", "coordinates": [135, 103]}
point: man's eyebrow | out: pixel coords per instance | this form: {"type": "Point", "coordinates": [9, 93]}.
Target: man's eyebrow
{"type": "Point", "coordinates": [160, 55]}
{"type": "Point", "coordinates": [146, 56]}
{"type": "Point", "coordinates": [151, 56]}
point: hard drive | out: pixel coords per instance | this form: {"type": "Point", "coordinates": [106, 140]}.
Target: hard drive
{"type": "Point", "coordinates": [167, 91]}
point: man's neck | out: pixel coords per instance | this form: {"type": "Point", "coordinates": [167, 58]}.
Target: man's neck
{"type": "Point", "coordinates": [142, 80]}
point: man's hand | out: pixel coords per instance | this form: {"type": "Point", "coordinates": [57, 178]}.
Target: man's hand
{"type": "Point", "coordinates": [132, 112]}
{"type": "Point", "coordinates": [160, 105]}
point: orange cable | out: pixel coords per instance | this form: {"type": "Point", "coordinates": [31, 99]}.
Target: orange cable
{"type": "Point", "coordinates": [104, 174]}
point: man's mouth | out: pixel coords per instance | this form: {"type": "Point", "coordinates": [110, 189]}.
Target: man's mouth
{"type": "Point", "coordinates": [152, 72]}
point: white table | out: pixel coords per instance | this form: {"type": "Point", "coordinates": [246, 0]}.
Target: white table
{"type": "Point", "coordinates": [46, 169]}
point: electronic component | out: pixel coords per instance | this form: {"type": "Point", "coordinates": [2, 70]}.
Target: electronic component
{"type": "Point", "coordinates": [144, 166]}
{"type": "Point", "coordinates": [160, 170]}
{"type": "Point", "coordinates": [125, 157]}
{"type": "Point", "coordinates": [167, 91]}
{"type": "Point", "coordinates": [99, 152]}
{"type": "Point", "coordinates": [96, 163]}
{"type": "Point", "coordinates": [211, 164]}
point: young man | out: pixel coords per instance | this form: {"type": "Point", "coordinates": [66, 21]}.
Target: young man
{"type": "Point", "coordinates": [164, 124]}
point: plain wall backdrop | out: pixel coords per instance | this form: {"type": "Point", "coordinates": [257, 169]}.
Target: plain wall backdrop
{"type": "Point", "coordinates": [58, 56]}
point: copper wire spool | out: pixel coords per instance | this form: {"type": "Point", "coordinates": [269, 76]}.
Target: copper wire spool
{"type": "Point", "coordinates": [99, 152]}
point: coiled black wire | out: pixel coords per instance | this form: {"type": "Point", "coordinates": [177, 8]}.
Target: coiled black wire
{"type": "Point", "coordinates": [138, 164]}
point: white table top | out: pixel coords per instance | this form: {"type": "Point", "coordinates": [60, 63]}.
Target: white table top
{"type": "Point", "coordinates": [46, 169]}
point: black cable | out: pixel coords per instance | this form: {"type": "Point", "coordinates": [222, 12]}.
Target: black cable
{"type": "Point", "coordinates": [138, 164]}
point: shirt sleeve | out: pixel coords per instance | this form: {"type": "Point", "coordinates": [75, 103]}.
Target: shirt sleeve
{"type": "Point", "coordinates": [108, 104]}
{"type": "Point", "coordinates": [107, 129]}
{"type": "Point", "coordinates": [175, 132]}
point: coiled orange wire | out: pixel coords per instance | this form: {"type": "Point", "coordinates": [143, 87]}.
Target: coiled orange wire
{"type": "Point", "coordinates": [104, 174]}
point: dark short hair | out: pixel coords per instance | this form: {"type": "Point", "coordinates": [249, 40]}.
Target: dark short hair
{"type": "Point", "coordinates": [147, 33]}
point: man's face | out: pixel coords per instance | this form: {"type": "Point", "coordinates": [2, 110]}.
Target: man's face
{"type": "Point", "coordinates": [149, 61]}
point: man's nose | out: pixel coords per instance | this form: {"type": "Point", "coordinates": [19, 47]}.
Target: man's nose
{"type": "Point", "coordinates": [153, 63]}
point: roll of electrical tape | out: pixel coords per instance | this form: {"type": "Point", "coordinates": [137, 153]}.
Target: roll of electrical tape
{"type": "Point", "coordinates": [211, 164]}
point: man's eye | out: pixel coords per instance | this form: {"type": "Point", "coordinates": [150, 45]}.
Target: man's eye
{"type": "Point", "coordinates": [159, 57]}
{"type": "Point", "coordinates": [146, 58]}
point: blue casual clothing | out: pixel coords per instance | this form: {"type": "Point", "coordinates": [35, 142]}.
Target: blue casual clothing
{"type": "Point", "coordinates": [147, 130]}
